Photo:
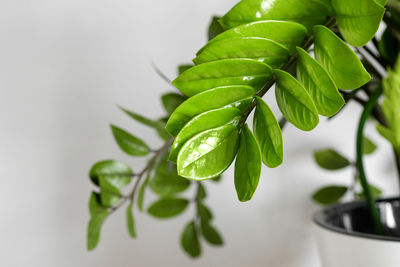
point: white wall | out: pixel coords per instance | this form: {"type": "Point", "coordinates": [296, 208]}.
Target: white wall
{"type": "Point", "coordinates": [63, 67]}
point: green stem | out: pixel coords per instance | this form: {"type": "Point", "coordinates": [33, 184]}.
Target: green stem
{"type": "Point", "coordinates": [369, 106]}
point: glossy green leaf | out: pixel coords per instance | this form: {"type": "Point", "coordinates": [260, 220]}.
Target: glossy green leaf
{"type": "Point", "coordinates": [318, 84]}
{"type": "Point", "coordinates": [368, 147]}
{"type": "Point", "coordinates": [214, 28]}
{"type": "Point", "coordinates": [168, 207]}
{"type": "Point", "coordinates": [141, 193]}
{"type": "Point", "coordinates": [339, 60]}
{"type": "Point", "coordinates": [329, 194]}
{"type": "Point", "coordinates": [184, 67]}
{"type": "Point", "coordinates": [210, 233]}
{"type": "Point", "coordinates": [227, 96]}
{"type": "Point", "coordinates": [223, 73]}
{"type": "Point", "coordinates": [247, 165]}
{"type": "Point", "coordinates": [190, 240]}
{"type": "Point", "coordinates": [330, 159]}
{"type": "Point", "coordinates": [308, 13]}
{"type": "Point", "coordinates": [204, 212]}
{"type": "Point", "coordinates": [358, 20]}
{"type": "Point", "coordinates": [119, 172]}
{"type": "Point", "coordinates": [109, 193]}
{"type": "Point", "coordinates": [98, 214]}
{"type": "Point", "coordinates": [204, 121]}
{"type": "Point", "coordinates": [287, 33]}
{"type": "Point", "coordinates": [268, 134]}
{"type": "Point", "coordinates": [130, 222]}
{"type": "Point", "coordinates": [128, 143]}
{"type": "Point", "coordinates": [264, 50]}
{"type": "Point", "coordinates": [294, 102]}
{"type": "Point", "coordinates": [171, 101]}
{"type": "Point", "coordinates": [209, 153]}
{"type": "Point", "coordinates": [166, 181]}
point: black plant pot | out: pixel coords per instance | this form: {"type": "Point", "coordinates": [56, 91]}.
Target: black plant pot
{"type": "Point", "coordinates": [346, 236]}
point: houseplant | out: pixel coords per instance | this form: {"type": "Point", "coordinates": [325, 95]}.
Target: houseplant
{"type": "Point", "coordinates": [255, 45]}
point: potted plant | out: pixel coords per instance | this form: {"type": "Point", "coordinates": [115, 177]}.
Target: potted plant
{"type": "Point", "coordinates": [256, 45]}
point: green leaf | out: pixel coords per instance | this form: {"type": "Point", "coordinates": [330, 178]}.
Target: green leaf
{"type": "Point", "coordinates": [318, 84]}
{"type": "Point", "coordinates": [330, 159]}
{"type": "Point", "coordinates": [109, 193]}
{"type": "Point", "coordinates": [204, 212]}
{"type": "Point", "coordinates": [339, 60]}
{"type": "Point", "coordinates": [120, 173]}
{"type": "Point", "coordinates": [368, 146]}
{"type": "Point", "coordinates": [158, 125]}
{"type": "Point", "coordinates": [216, 179]}
{"type": "Point", "coordinates": [247, 165]}
{"type": "Point", "coordinates": [222, 73]}
{"type": "Point", "coordinates": [141, 193]}
{"type": "Point", "coordinates": [376, 192]}
{"type": "Point", "coordinates": [214, 28]}
{"type": "Point", "coordinates": [184, 67]}
{"type": "Point", "coordinates": [98, 214]}
{"type": "Point", "coordinates": [204, 121]}
{"type": "Point", "coordinates": [201, 192]}
{"type": "Point", "coordinates": [358, 20]}
{"type": "Point", "coordinates": [128, 143]}
{"type": "Point", "coordinates": [287, 33]}
{"type": "Point", "coordinates": [308, 13]}
{"type": "Point", "coordinates": [268, 134]}
{"type": "Point", "coordinates": [190, 241]}
{"type": "Point", "coordinates": [168, 207]}
{"type": "Point", "coordinates": [166, 181]}
{"type": "Point", "coordinates": [227, 96]}
{"type": "Point", "coordinates": [389, 46]}
{"type": "Point", "coordinates": [160, 73]}
{"type": "Point", "coordinates": [329, 194]}
{"type": "Point", "coordinates": [130, 222]}
{"type": "Point", "coordinates": [294, 102]}
{"type": "Point", "coordinates": [264, 50]}
{"type": "Point", "coordinates": [211, 234]}
{"type": "Point", "coordinates": [209, 153]}
{"type": "Point", "coordinates": [171, 101]}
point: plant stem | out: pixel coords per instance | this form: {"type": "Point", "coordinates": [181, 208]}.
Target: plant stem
{"type": "Point", "coordinates": [360, 166]}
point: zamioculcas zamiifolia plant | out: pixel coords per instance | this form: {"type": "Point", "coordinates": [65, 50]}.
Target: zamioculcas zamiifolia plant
{"type": "Point", "coordinates": [257, 44]}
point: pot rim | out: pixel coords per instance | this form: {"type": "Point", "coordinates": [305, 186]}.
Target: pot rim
{"type": "Point", "coordinates": [320, 216]}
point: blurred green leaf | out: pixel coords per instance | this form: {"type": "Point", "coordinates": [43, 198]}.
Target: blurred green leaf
{"type": "Point", "coordinates": [389, 46]}
{"type": "Point", "coordinates": [214, 28]}
{"type": "Point", "coordinates": [128, 143]}
{"type": "Point", "coordinates": [166, 181]}
{"type": "Point", "coordinates": [98, 214]}
{"type": "Point", "coordinates": [226, 96]}
{"type": "Point", "coordinates": [338, 59]}
{"type": "Point", "coordinates": [204, 212]}
{"type": "Point", "coordinates": [268, 134]}
{"type": "Point", "coordinates": [190, 241]}
{"type": "Point", "coordinates": [369, 147]}
{"type": "Point", "coordinates": [130, 222]}
{"type": "Point", "coordinates": [210, 233]}
{"type": "Point", "coordinates": [171, 101]}
{"type": "Point", "coordinates": [119, 174]}
{"type": "Point", "coordinates": [141, 193]}
{"type": "Point", "coordinates": [168, 207]}
{"type": "Point", "coordinates": [330, 159]}
{"type": "Point", "coordinates": [376, 192]}
{"type": "Point", "coordinates": [184, 67]}
{"type": "Point", "coordinates": [247, 165]}
{"type": "Point", "coordinates": [209, 153]}
{"type": "Point", "coordinates": [294, 102]}
{"type": "Point", "coordinates": [160, 73]}
{"type": "Point", "coordinates": [225, 72]}
{"type": "Point", "coordinates": [109, 193]}
{"type": "Point", "coordinates": [318, 84]}
{"type": "Point", "coordinates": [329, 194]}
{"type": "Point", "coordinates": [201, 192]}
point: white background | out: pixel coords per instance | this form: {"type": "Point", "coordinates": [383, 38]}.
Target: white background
{"type": "Point", "coordinates": [64, 65]}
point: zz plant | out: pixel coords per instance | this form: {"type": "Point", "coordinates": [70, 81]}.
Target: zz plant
{"type": "Point", "coordinates": [256, 45]}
